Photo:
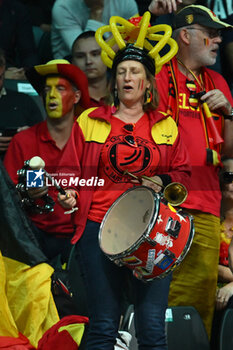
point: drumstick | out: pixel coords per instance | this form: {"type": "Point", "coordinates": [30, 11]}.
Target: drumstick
{"type": "Point", "coordinates": [126, 172]}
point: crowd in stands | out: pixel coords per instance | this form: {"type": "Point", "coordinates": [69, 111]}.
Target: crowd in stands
{"type": "Point", "coordinates": [50, 46]}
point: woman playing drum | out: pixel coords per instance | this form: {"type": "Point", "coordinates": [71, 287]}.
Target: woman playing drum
{"type": "Point", "coordinates": [106, 142]}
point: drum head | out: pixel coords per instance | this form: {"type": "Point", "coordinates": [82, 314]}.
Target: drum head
{"type": "Point", "coordinates": [127, 220]}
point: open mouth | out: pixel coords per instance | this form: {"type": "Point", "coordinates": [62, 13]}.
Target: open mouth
{"type": "Point", "coordinates": [215, 51]}
{"type": "Point", "coordinates": [128, 88]}
{"type": "Point", "coordinates": [52, 106]}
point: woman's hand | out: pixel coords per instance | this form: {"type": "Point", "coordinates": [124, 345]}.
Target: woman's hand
{"type": "Point", "coordinates": [156, 187]}
{"type": "Point", "coordinates": [223, 295]}
{"type": "Point", "coordinates": [67, 201]}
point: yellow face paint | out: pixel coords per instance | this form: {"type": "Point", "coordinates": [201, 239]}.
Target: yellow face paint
{"type": "Point", "coordinates": [59, 98]}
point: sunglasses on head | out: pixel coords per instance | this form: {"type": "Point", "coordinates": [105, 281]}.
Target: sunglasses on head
{"type": "Point", "coordinates": [227, 177]}
{"type": "Point", "coordinates": [130, 139]}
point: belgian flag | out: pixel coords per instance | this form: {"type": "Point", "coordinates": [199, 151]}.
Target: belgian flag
{"type": "Point", "coordinates": [27, 307]}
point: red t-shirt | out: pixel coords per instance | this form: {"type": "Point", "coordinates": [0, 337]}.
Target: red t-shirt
{"type": "Point", "coordinates": [36, 141]}
{"type": "Point", "coordinates": [204, 194]}
{"type": "Point", "coordinates": [116, 157]}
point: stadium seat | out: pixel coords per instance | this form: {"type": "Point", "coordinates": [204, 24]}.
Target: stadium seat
{"type": "Point", "coordinates": [226, 333]}
{"type": "Point", "coordinates": [25, 87]}
{"type": "Point", "coordinates": [184, 327]}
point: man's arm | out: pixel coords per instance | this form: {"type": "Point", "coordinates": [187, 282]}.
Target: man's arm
{"type": "Point", "coordinates": [228, 139]}
{"type": "Point", "coordinates": [66, 24]}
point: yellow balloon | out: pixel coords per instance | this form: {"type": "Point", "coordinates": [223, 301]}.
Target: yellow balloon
{"type": "Point", "coordinates": [168, 56]}
{"type": "Point", "coordinates": [140, 36]}
{"type": "Point", "coordinates": [145, 21]}
{"type": "Point", "coordinates": [114, 29]}
{"type": "Point", "coordinates": [102, 43]}
{"type": "Point", "coordinates": [162, 38]}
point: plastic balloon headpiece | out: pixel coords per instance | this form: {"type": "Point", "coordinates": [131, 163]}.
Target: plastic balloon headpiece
{"type": "Point", "coordinates": [135, 39]}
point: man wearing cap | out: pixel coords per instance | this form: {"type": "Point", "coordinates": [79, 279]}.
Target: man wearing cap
{"type": "Point", "coordinates": [201, 102]}
{"type": "Point", "coordinates": [63, 87]}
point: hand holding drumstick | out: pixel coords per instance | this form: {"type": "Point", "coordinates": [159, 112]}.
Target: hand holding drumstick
{"type": "Point", "coordinates": [68, 200]}
{"type": "Point", "coordinates": [154, 182]}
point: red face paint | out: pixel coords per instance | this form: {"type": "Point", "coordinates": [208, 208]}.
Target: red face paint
{"type": "Point", "coordinates": [60, 97]}
{"type": "Point", "coordinates": [206, 41]}
{"type": "Point", "coordinates": [142, 84]}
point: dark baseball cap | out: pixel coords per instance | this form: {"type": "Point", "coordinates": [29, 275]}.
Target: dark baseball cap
{"type": "Point", "coordinates": [197, 14]}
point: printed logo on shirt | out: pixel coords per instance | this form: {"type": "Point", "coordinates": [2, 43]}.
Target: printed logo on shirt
{"type": "Point", "coordinates": [35, 178]}
{"type": "Point", "coordinates": [119, 156]}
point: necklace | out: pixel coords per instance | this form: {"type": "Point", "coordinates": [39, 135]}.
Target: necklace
{"type": "Point", "coordinates": [200, 82]}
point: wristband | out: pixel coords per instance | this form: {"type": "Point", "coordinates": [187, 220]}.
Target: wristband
{"type": "Point", "coordinates": [76, 192]}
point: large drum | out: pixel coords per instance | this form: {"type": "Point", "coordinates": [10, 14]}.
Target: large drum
{"type": "Point", "coordinates": [145, 234]}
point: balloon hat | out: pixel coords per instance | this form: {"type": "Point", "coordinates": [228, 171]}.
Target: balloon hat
{"type": "Point", "coordinates": [135, 36]}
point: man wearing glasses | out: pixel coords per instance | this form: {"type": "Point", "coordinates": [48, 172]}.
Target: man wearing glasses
{"type": "Point", "coordinates": [200, 101]}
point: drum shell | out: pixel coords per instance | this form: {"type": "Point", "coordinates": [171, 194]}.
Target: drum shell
{"type": "Point", "coordinates": [158, 250]}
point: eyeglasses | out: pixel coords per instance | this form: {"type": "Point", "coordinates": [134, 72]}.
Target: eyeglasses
{"type": "Point", "coordinates": [130, 139]}
{"type": "Point", "coordinates": [212, 33]}
{"type": "Point", "coordinates": [227, 177]}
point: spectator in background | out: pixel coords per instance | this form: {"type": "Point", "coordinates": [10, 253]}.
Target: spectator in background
{"type": "Point", "coordinates": [63, 85]}
{"type": "Point", "coordinates": [86, 56]}
{"type": "Point", "coordinates": [71, 17]}
{"type": "Point", "coordinates": [18, 111]}
{"type": "Point", "coordinates": [224, 10]}
{"type": "Point", "coordinates": [16, 38]}
{"type": "Point", "coordinates": [184, 84]}
{"type": "Point", "coordinates": [163, 12]}
{"type": "Point", "coordinates": [224, 295]}
{"type": "Point", "coordinates": [40, 12]}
